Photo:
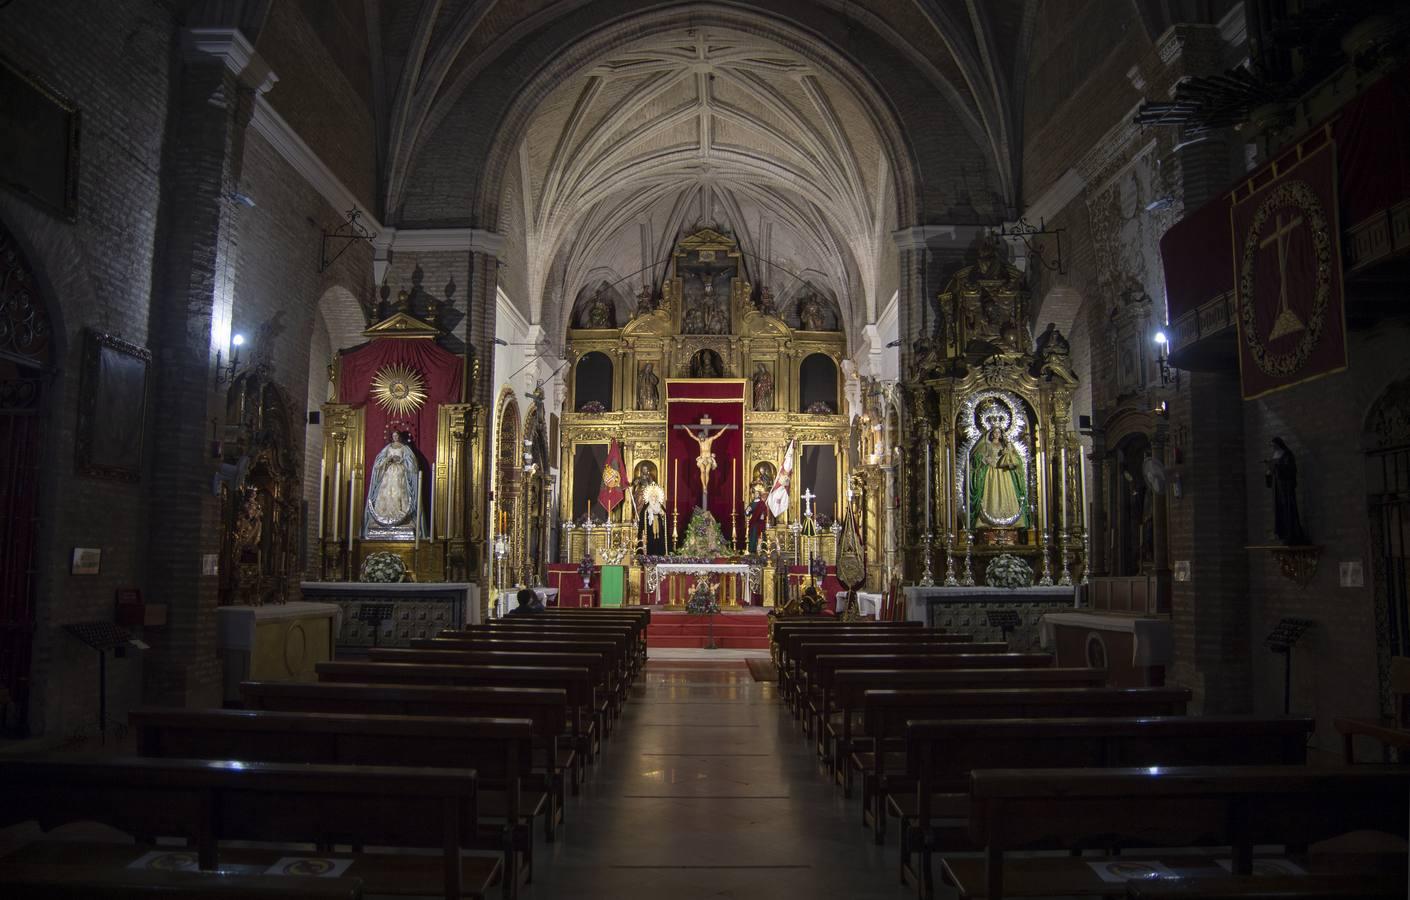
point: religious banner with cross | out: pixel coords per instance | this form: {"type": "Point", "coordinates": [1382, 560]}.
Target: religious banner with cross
{"type": "Point", "coordinates": [1287, 271]}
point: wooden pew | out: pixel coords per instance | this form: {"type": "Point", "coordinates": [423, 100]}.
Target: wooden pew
{"type": "Point", "coordinates": [208, 802]}
{"type": "Point", "coordinates": [596, 663]}
{"type": "Point", "coordinates": [547, 708]}
{"type": "Point", "coordinates": [1239, 807]}
{"type": "Point", "coordinates": [791, 641]}
{"type": "Point", "coordinates": [614, 646]}
{"type": "Point", "coordinates": [849, 686]}
{"type": "Point", "coordinates": [499, 750]}
{"type": "Point", "coordinates": [941, 754]}
{"type": "Point", "coordinates": [817, 671]}
{"type": "Point", "coordinates": [81, 882]}
{"type": "Point", "coordinates": [1385, 886]}
{"type": "Point", "coordinates": [807, 651]}
{"type": "Point", "coordinates": [885, 714]}
{"type": "Point", "coordinates": [634, 625]}
{"type": "Point", "coordinates": [523, 629]}
{"type": "Point", "coordinates": [576, 682]}
{"type": "Point", "coordinates": [779, 628]}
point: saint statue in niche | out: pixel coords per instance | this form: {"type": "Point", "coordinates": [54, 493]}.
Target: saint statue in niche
{"type": "Point", "coordinates": [392, 501]}
{"type": "Point", "coordinates": [707, 364]}
{"type": "Point", "coordinates": [763, 383]}
{"type": "Point", "coordinates": [997, 493]}
{"type": "Point", "coordinates": [1282, 477]}
{"type": "Point", "coordinates": [648, 388]}
{"type": "Point", "coordinates": [600, 313]}
{"type": "Point", "coordinates": [811, 314]}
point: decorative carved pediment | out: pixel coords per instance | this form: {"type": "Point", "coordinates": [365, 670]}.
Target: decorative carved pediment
{"type": "Point", "coordinates": [402, 325]}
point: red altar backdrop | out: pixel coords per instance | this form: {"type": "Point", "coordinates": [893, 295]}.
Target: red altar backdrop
{"type": "Point", "coordinates": [438, 367]}
{"type": "Point", "coordinates": [723, 401]}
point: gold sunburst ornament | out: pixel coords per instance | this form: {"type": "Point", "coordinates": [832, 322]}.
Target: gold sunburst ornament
{"type": "Point", "coordinates": [399, 389]}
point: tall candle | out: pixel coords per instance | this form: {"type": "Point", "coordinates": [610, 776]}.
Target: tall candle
{"type": "Point", "coordinates": [432, 517]}
{"type": "Point", "coordinates": [337, 491]}
{"type": "Point", "coordinates": [929, 474]}
{"type": "Point", "coordinates": [322, 493]}
{"type": "Point", "coordinates": [352, 505]}
{"type": "Point", "coordinates": [416, 526]}
{"type": "Point", "coordinates": [1062, 498]}
{"type": "Point", "coordinates": [675, 488]}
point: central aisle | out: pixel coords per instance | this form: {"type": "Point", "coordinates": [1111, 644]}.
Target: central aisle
{"type": "Point", "coordinates": [707, 790]}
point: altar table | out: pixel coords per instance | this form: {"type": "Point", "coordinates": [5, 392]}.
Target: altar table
{"type": "Point", "coordinates": [750, 575]}
{"type": "Point", "coordinates": [966, 609]}
{"type": "Point", "coordinates": [509, 599]}
{"type": "Point", "coordinates": [418, 610]}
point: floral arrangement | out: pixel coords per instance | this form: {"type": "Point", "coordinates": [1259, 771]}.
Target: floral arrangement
{"type": "Point", "coordinates": [383, 568]}
{"type": "Point", "coordinates": [702, 600]}
{"type": "Point", "coordinates": [1008, 571]}
{"type": "Point", "coordinates": [586, 569]}
{"type": "Point", "coordinates": [593, 407]}
{"type": "Point", "coordinates": [703, 538]}
{"type": "Point", "coordinates": [819, 408]}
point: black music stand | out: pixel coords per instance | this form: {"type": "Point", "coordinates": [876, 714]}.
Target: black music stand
{"type": "Point", "coordinates": [103, 636]}
{"type": "Point", "coordinates": [374, 614]}
{"type": "Point", "coordinates": [1006, 620]}
{"type": "Point", "coordinates": [1282, 639]}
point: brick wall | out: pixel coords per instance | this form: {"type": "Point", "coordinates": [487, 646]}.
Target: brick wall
{"type": "Point", "coordinates": [96, 273]}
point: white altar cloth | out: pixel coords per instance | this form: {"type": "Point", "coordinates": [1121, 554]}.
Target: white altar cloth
{"type": "Point", "coordinates": [749, 574]}
{"type": "Point", "coordinates": [869, 604]}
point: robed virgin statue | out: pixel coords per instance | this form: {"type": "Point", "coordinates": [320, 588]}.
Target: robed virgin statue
{"type": "Point", "coordinates": [392, 501]}
{"type": "Point", "coordinates": [997, 493]}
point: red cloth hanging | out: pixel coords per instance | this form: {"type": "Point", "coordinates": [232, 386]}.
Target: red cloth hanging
{"type": "Point", "coordinates": [686, 402]}
{"type": "Point", "coordinates": [441, 370]}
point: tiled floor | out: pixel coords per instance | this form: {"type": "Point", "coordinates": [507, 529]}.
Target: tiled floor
{"type": "Point", "coordinates": [706, 789]}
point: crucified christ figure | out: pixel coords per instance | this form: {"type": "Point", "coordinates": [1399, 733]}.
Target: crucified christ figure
{"type": "Point", "coordinates": [705, 462]}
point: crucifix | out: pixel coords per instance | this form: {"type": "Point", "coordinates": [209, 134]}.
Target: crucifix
{"type": "Point", "coordinates": [1287, 321]}
{"type": "Point", "coordinates": [705, 462]}
{"type": "Point", "coordinates": [808, 498]}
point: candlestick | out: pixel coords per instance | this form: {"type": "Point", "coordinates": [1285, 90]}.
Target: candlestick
{"type": "Point", "coordinates": [1047, 579]}
{"type": "Point", "coordinates": [950, 579]}
{"type": "Point", "coordinates": [927, 578]}
{"type": "Point", "coordinates": [352, 509]}
{"type": "Point", "coordinates": [337, 492]}
{"type": "Point", "coordinates": [968, 580]}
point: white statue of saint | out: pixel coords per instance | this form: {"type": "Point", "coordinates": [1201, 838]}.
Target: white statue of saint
{"type": "Point", "coordinates": [392, 504]}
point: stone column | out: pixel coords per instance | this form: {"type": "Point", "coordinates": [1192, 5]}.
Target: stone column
{"type": "Point", "coordinates": [1098, 527]}
{"type": "Point", "coordinates": [191, 322]}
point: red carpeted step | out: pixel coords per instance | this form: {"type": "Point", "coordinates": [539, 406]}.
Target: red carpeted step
{"type": "Point", "coordinates": [733, 631]}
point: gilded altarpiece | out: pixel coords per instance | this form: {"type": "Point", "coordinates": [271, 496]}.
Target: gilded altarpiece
{"type": "Point", "coordinates": [402, 388]}
{"type": "Point", "coordinates": [994, 465]}
{"type": "Point", "coordinates": [709, 323]}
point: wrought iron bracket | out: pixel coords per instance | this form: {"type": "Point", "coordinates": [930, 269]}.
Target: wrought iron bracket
{"type": "Point", "coordinates": [1297, 563]}
{"type": "Point", "coordinates": [1025, 231]}
{"type": "Point", "coordinates": [342, 237]}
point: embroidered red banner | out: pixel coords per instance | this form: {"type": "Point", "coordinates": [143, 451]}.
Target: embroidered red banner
{"type": "Point", "coordinates": [1288, 275]}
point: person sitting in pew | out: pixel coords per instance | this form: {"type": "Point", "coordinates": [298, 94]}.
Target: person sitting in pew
{"type": "Point", "coordinates": [529, 603]}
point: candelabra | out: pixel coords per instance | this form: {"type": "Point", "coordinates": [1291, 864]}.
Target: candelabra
{"type": "Point", "coordinates": [1066, 578]}
{"type": "Point", "coordinates": [1086, 553]}
{"type": "Point", "coordinates": [927, 578]}
{"type": "Point", "coordinates": [1047, 579]}
{"type": "Point", "coordinates": [950, 579]}
{"type": "Point", "coordinates": [968, 579]}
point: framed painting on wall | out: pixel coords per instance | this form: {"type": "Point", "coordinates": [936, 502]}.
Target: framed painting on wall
{"type": "Point", "coordinates": [39, 156]}
{"type": "Point", "coordinates": [112, 408]}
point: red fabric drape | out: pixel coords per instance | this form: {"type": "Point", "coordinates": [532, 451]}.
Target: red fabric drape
{"type": "Point", "coordinates": [441, 370]}
{"type": "Point", "coordinates": [1372, 137]}
{"type": "Point", "coordinates": [1289, 299]}
{"type": "Point", "coordinates": [723, 402]}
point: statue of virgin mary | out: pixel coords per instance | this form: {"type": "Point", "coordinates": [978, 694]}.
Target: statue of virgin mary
{"type": "Point", "coordinates": [392, 501]}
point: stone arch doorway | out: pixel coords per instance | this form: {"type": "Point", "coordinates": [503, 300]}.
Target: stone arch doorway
{"type": "Point", "coordinates": [1387, 445]}
{"type": "Point", "coordinates": [509, 531]}
{"type": "Point", "coordinates": [26, 369]}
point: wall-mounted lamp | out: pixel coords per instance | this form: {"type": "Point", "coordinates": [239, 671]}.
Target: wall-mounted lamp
{"type": "Point", "coordinates": [226, 373]}
{"type": "Point", "coordinates": [1168, 376]}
